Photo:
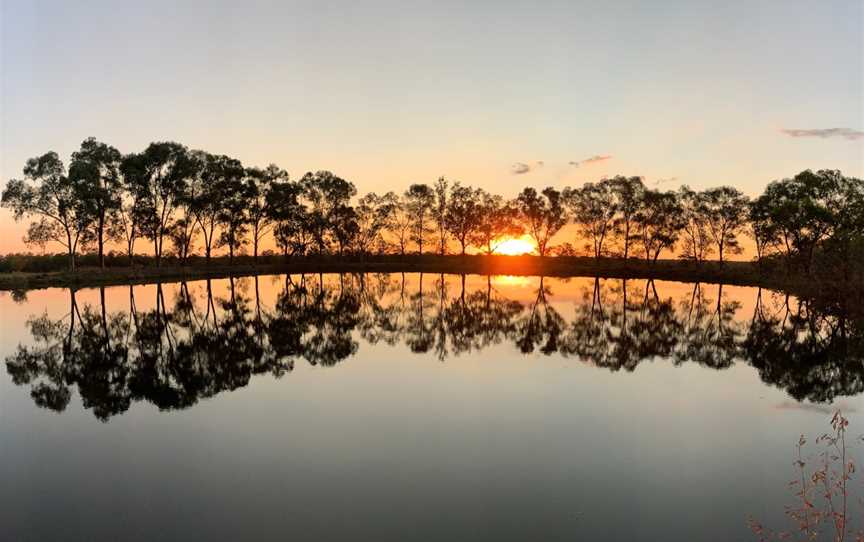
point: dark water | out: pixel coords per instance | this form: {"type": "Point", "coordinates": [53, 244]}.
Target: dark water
{"type": "Point", "coordinates": [390, 407]}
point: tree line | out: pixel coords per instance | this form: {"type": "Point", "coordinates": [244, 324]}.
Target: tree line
{"type": "Point", "coordinates": [175, 198]}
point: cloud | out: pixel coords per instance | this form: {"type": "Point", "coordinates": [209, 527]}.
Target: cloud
{"type": "Point", "coordinates": [521, 168]}
{"type": "Point", "coordinates": [825, 133]}
{"type": "Point", "coordinates": [597, 158]}
{"type": "Point", "coordinates": [665, 180]}
{"type": "Point", "coordinates": [591, 160]}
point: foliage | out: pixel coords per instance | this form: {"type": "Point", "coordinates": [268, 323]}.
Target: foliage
{"type": "Point", "coordinates": [592, 208]}
{"type": "Point", "coordinates": [52, 198]}
{"type": "Point", "coordinates": [543, 215]}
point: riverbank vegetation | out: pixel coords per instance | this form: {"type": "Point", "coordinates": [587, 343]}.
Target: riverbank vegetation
{"type": "Point", "coordinates": [188, 204]}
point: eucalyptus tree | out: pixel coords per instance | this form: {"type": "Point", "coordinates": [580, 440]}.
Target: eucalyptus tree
{"type": "Point", "coordinates": [660, 220]}
{"type": "Point", "coordinates": [50, 196]}
{"type": "Point", "coordinates": [463, 214]}
{"type": "Point", "coordinates": [543, 215]}
{"type": "Point", "coordinates": [726, 211]}
{"type": "Point", "coordinates": [182, 235]}
{"type": "Point", "coordinates": [401, 223]}
{"type": "Point", "coordinates": [628, 192]}
{"type": "Point", "coordinates": [374, 214]}
{"type": "Point", "coordinates": [804, 211]}
{"type": "Point", "coordinates": [343, 227]}
{"type": "Point", "coordinates": [158, 177]}
{"type": "Point", "coordinates": [233, 212]}
{"type": "Point", "coordinates": [592, 208]}
{"type": "Point", "coordinates": [95, 173]}
{"type": "Point", "coordinates": [439, 213]}
{"type": "Point", "coordinates": [127, 229]}
{"type": "Point", "coordinates": [261, 184]}
{"type": "Point", "coordinates": [764, 231]}
{"type": "Point", "coordinates": [288, 215]}
{"type": "Point", "coordinates": [420, 199]}
{"type": "Point", "coordinates": [497, 221]}
{"type": "Point", "coordinates": [327, 196]}
{"type": "Point", "coordinates": [207, 195]}
{"type": "Point", "coordinates": [696, 240]}
{"type": "Point", "coordinates": [846, 242]}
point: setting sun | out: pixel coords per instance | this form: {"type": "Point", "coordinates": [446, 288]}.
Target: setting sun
{"type": "Point", "coordinates": [515, 246]}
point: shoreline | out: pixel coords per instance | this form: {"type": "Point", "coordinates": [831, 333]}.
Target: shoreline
{"type": "Point", "coordinates": [733, 273]}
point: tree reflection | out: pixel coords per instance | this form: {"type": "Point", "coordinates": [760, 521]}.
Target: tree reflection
{"type": "Point", "coordinates": [814, 353]}
{"type": "Point", "coordinates": [200, 344]}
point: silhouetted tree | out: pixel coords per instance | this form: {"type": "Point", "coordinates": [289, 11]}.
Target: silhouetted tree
{"type": "Point", "coordinates": [696, 239]}
{"type": "Point", "coordinates": [763, 229]}
{"type": "Point", "coordinates": [327, 215]}
{"type": "Point", "coordinates": [237, 194]}
{"type": "Point", "coordinates": [462, 216]}
{"type": "Point", "coordinates": [206, 191]}
{"type": "Point", "coordinates": [543, 215]}
{"type": "Point", "coordinates": [660, 220]}
{"type": "Point", "coordinates": [401, 223]}
{"type": "Point", "coordinates": [95, 173]}
{"type": "Point", "coordinates": [261, 182]}
{"type": "Point", "coordinates": [497, 222]}
{"type": "Point", "coordinates": [592, 208]}
{"type": "Point", "coordinates": [439, 213]}
{"type": "Point", "coordinates": [158, 177]}
{"type": "Point", "coordinates": [49, 195]}
{"type": "Point", "coordinates": [420, 201]}
{"type": "Point", "coordinates": [726, 211]}
{"type": "Point", "coordinates": [629, 193]}
{"type": "Point", "coordinates": [343, 227]}
{"type": "Point", "coordinates": [182, 234]}
{"type": "Point", "coordinates": [374, 214]}
{"type": "Point", "coordinates": [800, 210]}
{"type": "Point", "coordinates": [291, 230]}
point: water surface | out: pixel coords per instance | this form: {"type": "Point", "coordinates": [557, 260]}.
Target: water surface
{"type": "Point", "coordinates": [412, 407]}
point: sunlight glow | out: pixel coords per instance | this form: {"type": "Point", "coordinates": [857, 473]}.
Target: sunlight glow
{"type": "Point", "coordinates": [511, 280]}
{"type": "Point", "coordinates": [515, 246]}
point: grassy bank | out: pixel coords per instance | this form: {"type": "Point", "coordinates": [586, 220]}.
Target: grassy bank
{"type": "Point", "coordinates": [736, 273]}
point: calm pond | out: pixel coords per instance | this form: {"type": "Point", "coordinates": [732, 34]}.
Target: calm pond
{"type": "Point", "coordinates": [413, 407]}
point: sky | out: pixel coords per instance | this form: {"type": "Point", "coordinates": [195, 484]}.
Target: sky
{"type": "Point", "coordinates": [500, 95]}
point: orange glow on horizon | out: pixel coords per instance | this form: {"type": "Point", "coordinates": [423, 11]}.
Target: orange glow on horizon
{"type": "Point", "coordinates": [516, 246]}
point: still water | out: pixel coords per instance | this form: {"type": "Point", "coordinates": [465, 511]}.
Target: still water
{"type": "Point", "coordinates": [413, 407]}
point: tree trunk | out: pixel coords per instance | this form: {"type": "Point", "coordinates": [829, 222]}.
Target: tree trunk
{"type": "Point", "coordinates": [626, 241]}
{"type": "Point", "coordinates": [102, 242]}
{"type": "Point", "coordinates": [71, 248]}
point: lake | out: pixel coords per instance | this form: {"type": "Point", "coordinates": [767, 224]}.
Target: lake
{"type": "Point", "coordinates": [414, 407]}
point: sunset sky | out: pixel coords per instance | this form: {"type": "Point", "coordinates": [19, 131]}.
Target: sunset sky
{"type": "Point", "coordinates": [499, 94]}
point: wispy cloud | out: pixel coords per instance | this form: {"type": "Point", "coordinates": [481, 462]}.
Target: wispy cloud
{"type": "Point", "coordinates": [521, 168]}
{"type": "Point", "coordinates": [591, 160]}
{"type": "Point", "coordinates": [825, 133]}
{"type": "Point", "coordinates": [665, 180]}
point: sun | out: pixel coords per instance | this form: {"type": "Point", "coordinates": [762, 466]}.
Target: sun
{"type": "Point", "coordinates": [515, 246]}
